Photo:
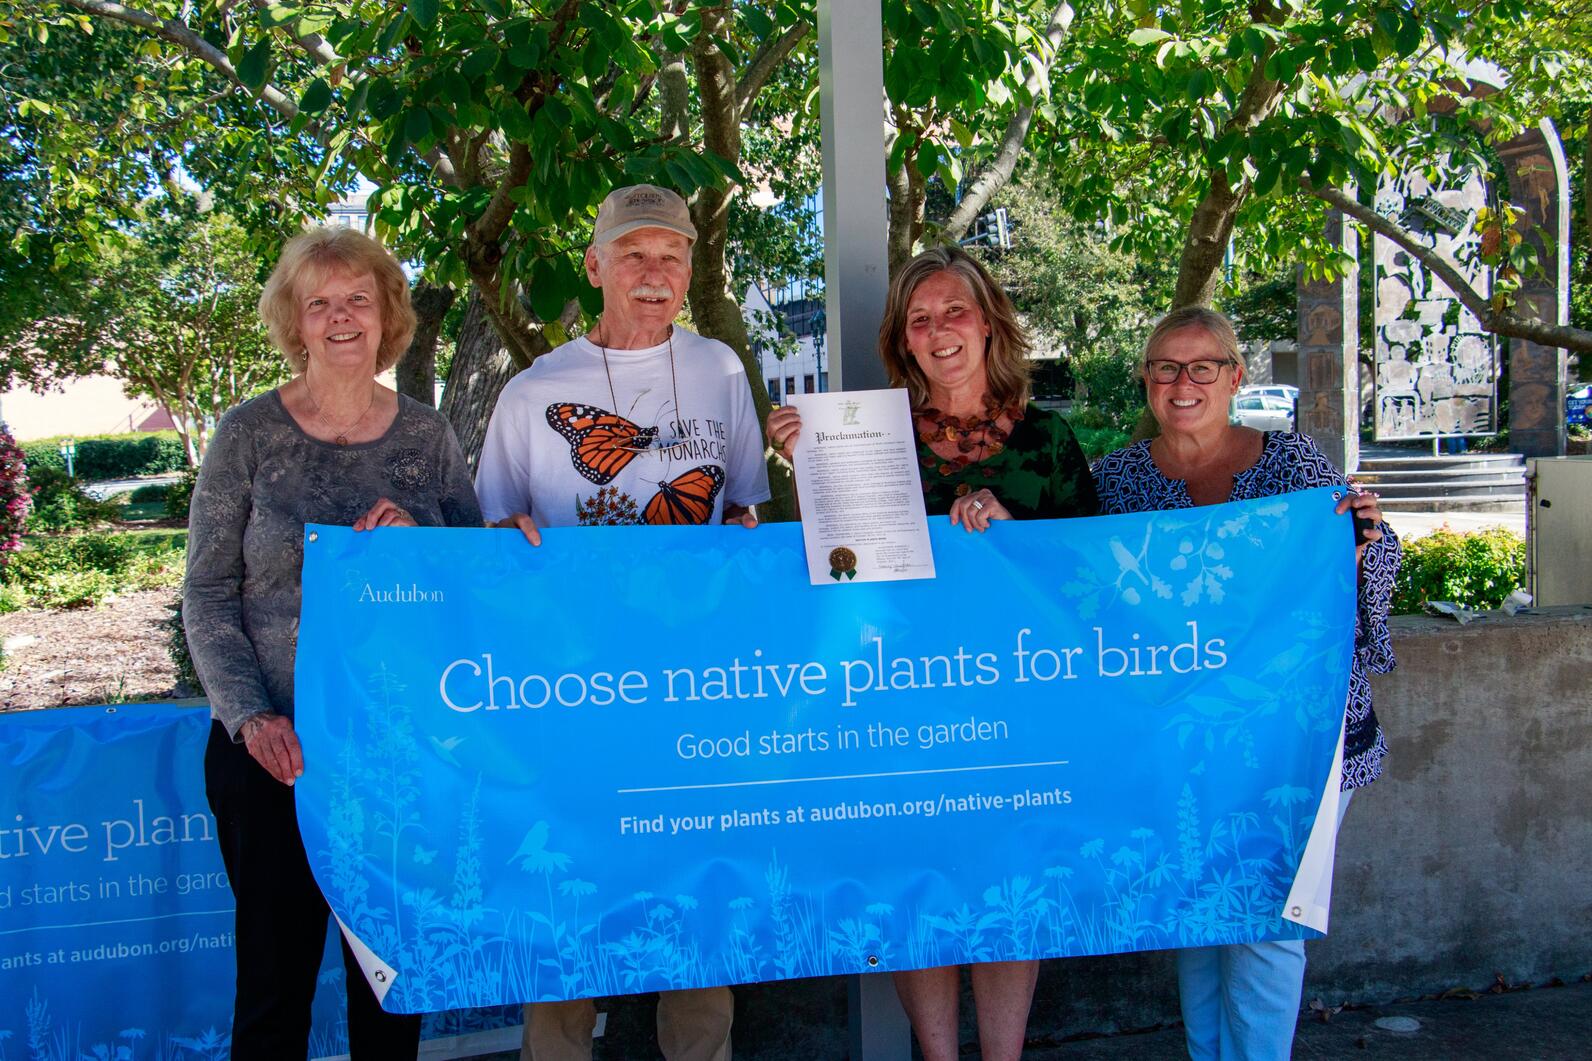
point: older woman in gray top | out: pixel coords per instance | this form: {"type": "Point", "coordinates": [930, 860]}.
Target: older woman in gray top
{"type": "Point", "coordinates": [330, 446]}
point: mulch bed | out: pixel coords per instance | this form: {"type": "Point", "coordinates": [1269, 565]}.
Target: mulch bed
{"type": "Point", "coordinates": [109, 654]}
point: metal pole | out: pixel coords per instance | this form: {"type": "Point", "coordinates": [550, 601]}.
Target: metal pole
{"type": "Point", "coordinates": [856, 226]}
{"type": "Point", "coordinates": [856, 281]}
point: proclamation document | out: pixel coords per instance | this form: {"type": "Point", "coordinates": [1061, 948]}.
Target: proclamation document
{"type": "Point", "coordinates": [861, 498]}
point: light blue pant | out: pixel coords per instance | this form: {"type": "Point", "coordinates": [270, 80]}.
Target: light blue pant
{"type": "Point", "coordinates": [1241, 1002]}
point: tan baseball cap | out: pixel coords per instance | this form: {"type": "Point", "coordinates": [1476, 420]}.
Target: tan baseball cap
{"type": "Point", "coordinates": [641, 206]}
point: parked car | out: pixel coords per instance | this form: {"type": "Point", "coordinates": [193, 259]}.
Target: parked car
{"type": "Point", "coordinates": [1263, 412]}
{"type": "Point", "coordinates": [1286, 391]}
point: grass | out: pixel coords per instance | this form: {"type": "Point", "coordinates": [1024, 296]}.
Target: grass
{"type": "Point", "coordinates": [146, 510]}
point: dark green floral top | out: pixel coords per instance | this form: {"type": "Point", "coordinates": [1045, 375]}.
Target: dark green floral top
{"type": "Point", "coordinates": [1040, 474]}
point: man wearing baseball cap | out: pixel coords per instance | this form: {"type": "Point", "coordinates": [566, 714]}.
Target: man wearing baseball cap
{"type": "Point", "coordinates": [637, 422]}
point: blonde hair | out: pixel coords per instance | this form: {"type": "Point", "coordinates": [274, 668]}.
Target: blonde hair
{"type": "Point", "coordinates": [1005, 357]}
{"type": "Point", "coordinates": [1212, 323]}
{"type": "Point", "coordinates": [322, 249]}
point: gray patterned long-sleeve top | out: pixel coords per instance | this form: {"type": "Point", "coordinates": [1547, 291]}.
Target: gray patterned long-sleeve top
{"type": "Point", "coordinates": [262, 480]}
{"type": "Point", "coordinates": [1129, 481]}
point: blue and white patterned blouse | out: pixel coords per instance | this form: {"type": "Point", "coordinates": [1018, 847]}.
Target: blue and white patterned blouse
{"type": "Point", "coordinates": [1129, 481]}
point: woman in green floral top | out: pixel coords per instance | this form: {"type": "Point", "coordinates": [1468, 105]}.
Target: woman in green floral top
{"type": "Point", "coordinates": [951, 338]}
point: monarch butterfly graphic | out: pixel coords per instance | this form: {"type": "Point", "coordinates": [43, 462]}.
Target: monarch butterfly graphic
{"type": "Point", "coordinates": [600, 443]}
{"type": "Point", "coordinates": [687, 498]}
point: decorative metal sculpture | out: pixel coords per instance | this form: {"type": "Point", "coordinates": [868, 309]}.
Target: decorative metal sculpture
{"type": "Point", "coordinates": [1436, 369]}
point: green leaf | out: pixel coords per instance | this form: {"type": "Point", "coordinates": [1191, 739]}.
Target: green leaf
{"type": "Point", "coordinates": [252, 70]}
{"type": "Point", "coordinates": [1365, 55]}
{"type": "Point", "coordinates": [1140, 37]}
{"type": "Point", "coordinates": [482, 58]}
{"type": "Point", "coordinates": [760, 24]}
{"type": "Point", "coordinates": [385, 99]}
{"type": "Point", "coordinates": [556, 111]}
{"type": "Point", "coordinates": [316, 98]}
{"type": "Point", "coordinates": [517, 125]}
{"type": "Point", "coordinates": [594, 61]}
{"type": "Point", "coordinates": [591, 298]}
{"type": "Point", "coordinates": [1408, 36]}
{"type": "Point", "coordinates": [394, 31]}
{"type": "Point", "coordinates": [356, 103]}
{"type": "Point", "coordinates": [680, 176]}
{"type": "Point", "coordinates": [417, 124]}
{"type": "Point", "coordinates": [424, 12]}
{"type": "Point", "coordinates": [546, 290]}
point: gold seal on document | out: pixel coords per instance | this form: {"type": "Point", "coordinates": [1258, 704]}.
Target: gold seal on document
{"type": "Point", "coordinates": [842, 563]}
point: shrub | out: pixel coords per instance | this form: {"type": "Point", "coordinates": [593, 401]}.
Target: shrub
{"type": "Point", "coordinates": [15, 498]}
{"type": "Point", "coordinates": [177, 649]}
{"type": "Point", "coordinates": [179, 496]}
{"type": "Point", "coordinates": [149, 492]}
{"type": "Point", "coordinates": [110, 554]}
{"type": "Point", "coordinates": [59, 504]}
{"type": "Point", "coordinates": [112, 456]}
{"type": "Point", "coordinates": [83, 569]}
{"type": "Point", "coordinates": [1477, 569]}
{"type": "Point", "coordinates": [70, 589]}
{"type": "Point", "coordinates": [1098, 441]}
{"type": "Point", "coordinates": [1108, 380]}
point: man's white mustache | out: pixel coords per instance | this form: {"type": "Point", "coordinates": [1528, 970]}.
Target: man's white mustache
{"type": "Point", "coordinates": [652, 291]}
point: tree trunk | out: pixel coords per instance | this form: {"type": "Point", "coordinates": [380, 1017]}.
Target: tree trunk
{"type": "Point", "coordinates": [908, 189]}
{"type": "Point", "coordinates": [716, 312]}
{"type": "Point", "coordinates": [481, 367]}
{"type": "Point", "coordinates": [417, 368]}
{"type": "Point", "coordinates": [1206, 246]}
{"type": "Point", "coordinates": [1200, 268]}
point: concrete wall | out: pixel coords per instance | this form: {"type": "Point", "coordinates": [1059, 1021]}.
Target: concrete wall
{"type": "Point", "coordinates": [1471, 857]}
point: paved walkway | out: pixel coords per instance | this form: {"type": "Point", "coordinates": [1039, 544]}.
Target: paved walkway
{"type": "Point", "coordinates": [110, 487]}
{"type": "Point", "coordinates": [1544, 1024]}
{"type": "Point", "coordinates": [1412, 525]}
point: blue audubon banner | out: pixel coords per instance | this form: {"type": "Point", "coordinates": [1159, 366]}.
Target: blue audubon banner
{"type": "Point", "coordinates": [643, 758]}
{"type": "Point", "coordinates": [115, 912]}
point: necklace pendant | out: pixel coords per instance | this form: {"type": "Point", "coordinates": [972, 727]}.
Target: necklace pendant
{"type": "Point", "coordinates": [341, 440]}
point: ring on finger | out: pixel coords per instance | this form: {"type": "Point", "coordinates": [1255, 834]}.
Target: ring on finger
{"type": "Point", "coordinates": [978, 506]}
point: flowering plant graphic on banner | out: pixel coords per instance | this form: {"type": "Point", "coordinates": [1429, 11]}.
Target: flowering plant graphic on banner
{"type": "Point", "coordinates": [641, 759]}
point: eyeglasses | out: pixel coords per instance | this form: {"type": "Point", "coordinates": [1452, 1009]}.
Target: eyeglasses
{"type": "Point", "coordinates": [1202, 371]}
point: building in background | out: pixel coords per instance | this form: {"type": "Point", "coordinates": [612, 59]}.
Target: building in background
{"type": "Point", "coordinates": [787, 327]}
{"type": "Point", "coordinates": [786, 322]}
{"type": "Point", "coordinates": [92, 405]}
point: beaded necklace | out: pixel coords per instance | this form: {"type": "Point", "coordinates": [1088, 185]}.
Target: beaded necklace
{"type": "Point", "coordinates": [977, 437]}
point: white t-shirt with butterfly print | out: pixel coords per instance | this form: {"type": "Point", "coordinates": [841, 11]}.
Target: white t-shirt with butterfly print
{"type": "Point", "coordinates": [573, 444]}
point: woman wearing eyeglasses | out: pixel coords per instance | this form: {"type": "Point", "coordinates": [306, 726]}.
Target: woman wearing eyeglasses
{"type": "Point", "coordinates": [1242, 1001]}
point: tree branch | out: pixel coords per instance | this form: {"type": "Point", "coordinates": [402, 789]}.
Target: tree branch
{"type": "Point", "coordinates": [522, 338]}
{"type": "Point", "coordinates": [1004, 164]}
{"type": "Point", "coordinates": [175, 31]}
{"type": "Point", "coordinates": [494, 220]}
{"type": "Point", "coordinates": [772, 52]}
{"type": "Point", "coordinates": [179, 33]}
{"type": "Point", "coordinates": [1505, 323]}
{"type": "Point", "coordinates": [313, 43]}
{"type": "Point", "coordinates": [674, 98]}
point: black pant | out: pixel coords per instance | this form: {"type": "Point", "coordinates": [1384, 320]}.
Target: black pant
{"type": "Point", "coordinates": [281, 921]}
